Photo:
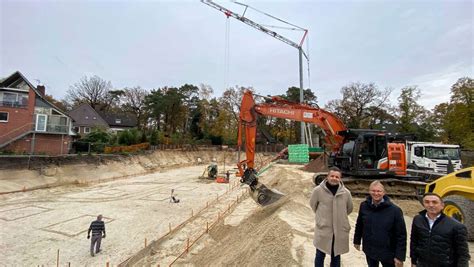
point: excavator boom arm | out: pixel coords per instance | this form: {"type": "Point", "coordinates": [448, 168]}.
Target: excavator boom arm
{"type": "Point", "coordinates": [280, 108]}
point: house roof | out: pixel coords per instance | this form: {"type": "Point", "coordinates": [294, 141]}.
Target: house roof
{"type": "Point", "coordinates": [115, 119]}
{"type": "Point", "coordinates": [80, 112]}
{"type": "Point", "coordinates": [112, 119]}
{"type": "Point", "coordinates": [17, 74]}
{"type": "Point", "coordinates": [4, 82]}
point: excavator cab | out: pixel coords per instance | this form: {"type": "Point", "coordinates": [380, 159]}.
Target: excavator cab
{"type": "Point", "coordinates": [367, 153]}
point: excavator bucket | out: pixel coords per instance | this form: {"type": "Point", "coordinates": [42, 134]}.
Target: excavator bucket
{"type": "Point", "coordinates": [259, 192]}
{"type": "Point", "coordinates": [265, 196]}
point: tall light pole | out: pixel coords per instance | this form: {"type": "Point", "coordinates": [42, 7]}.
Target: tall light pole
{"type": "Point", "coordinates": [275, 35]}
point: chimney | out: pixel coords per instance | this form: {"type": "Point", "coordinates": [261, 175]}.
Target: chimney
{"type": "Point", "coordinates": [41, 89]}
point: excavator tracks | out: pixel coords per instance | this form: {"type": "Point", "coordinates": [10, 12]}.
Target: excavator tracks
{"type": "Point", "coordinates": [395, 188]}
{"type": "Point", "coordinates": [399, 188]}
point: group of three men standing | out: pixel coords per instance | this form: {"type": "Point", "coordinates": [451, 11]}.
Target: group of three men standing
{"type": "Point", "coordinates": [436, 240]}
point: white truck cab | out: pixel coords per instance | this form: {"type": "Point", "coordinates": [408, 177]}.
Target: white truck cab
{"type": "Point", "coordinates": [432, 156]}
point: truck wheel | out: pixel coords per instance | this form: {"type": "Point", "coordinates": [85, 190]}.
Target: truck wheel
{"type": "Point", "coordinates": [412, 166]}
{"type": "Point", "coordinates": [461, 209]}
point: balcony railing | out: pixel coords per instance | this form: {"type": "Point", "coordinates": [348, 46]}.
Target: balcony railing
{"type": "Point", "coordinates": [54, 124]}
{"type": "Point", "coordinates": [13, 104]}
{"type": "Point", "coordinates": [56, 128]}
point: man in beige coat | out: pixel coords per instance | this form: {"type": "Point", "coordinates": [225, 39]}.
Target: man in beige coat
{"type": "Point", "coordinates": [331, 203]}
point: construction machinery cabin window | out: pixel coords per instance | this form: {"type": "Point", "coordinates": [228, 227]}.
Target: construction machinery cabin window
{"type": "Point", "coordinates": [373, 148]}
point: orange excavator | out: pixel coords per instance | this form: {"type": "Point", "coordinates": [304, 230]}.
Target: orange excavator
{"type": "Point", "coordinates": [357, 152]}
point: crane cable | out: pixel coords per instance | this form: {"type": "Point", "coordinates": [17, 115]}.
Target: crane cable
{"type": "Point", "coordinates": [227, 54]}
{"type": "Point", "coordinates": [273, 17]}
{"type": "Point", "coordinates": [307, 61]}
{"type": "Point", "coordinates": [295, 28]}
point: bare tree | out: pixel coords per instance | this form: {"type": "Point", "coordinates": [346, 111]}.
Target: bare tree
{"type": "Point", "coordinates": [232, 98]}
{"type": "Point", "coordinates": [93, 90]}
{"type": "Point", "coordinates": [356, 100]}
{"type": "Point", "coordinates": [410, 113]}
{"type": "Point", "coordinates": [134, 102]}
{"type": "Point", "coordinates": [205, 91]}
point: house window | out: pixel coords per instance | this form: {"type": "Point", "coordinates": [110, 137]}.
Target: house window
{"type": "Point", "coordinates": [23, 99]}
{"type": "Point", "coordinates": [94, 118]}
{"type": "Point", "coordinates": [3, 116]}
{"type": "Point", "coordinates": [118, 121]}
{"type": "Point", "coordinates": [10, 99]}
{"type": "Point", "coordinates": [87, 117]}
{"type": "Point", "coordinates": [87, 130]}
{"type": "Point", "coordinates": [41, 121]}
{"type": "Point", "coordinates": [63, 121]}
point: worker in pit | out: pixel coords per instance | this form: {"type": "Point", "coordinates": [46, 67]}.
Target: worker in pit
{"type": "Point", "coordinates": [173, 198]}
{"type": "Point", "coordinates": [97, 228]}
{"type": "Point", "coordinates": [381, 227]}
{"type": "Point", "coordinates": [331, 203]}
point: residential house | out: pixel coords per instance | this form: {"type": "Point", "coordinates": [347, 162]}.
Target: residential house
{"type": "Point", "coordinates": [29, 123]}
{"type": "Point", "coordinates": [87, 118]}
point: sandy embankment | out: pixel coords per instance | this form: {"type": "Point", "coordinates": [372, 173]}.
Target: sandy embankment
{"type": "Point", "coordinates": [91, 169]}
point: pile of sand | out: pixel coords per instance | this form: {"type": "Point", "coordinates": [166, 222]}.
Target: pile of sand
{"type": "Point", "coordinates": [267, 235]}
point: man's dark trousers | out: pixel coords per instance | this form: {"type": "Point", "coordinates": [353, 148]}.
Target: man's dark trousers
{"type": "Point", "coordinates": [95, 241]}
{"type": "Point", "coordinates": [319, 260]}
{"type": "Point", "coordinates": [375, 263]}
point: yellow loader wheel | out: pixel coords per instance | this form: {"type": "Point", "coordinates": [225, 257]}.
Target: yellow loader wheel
{"type": "Point", "coordinates": [461, 209]}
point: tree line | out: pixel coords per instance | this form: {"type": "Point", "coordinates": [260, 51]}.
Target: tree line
{"type": "Point", "coordinates": [191, 114]}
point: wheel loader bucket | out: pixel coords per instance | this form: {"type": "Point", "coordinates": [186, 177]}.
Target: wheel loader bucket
{"type": "Point", "coordinates": [265, 196]}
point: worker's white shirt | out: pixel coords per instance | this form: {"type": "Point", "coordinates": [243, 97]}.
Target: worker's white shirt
{"type": "Point", "coordinates": [430, 221]}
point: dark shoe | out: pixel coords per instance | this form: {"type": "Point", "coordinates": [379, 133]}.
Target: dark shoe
{"type": "Point", "coordinates": [100, 250]}
{"type": "Point", "coordinates": [92, 254]}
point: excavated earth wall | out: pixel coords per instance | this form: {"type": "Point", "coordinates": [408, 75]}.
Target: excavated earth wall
{"type": "Point", "coordinates": [23, 173]}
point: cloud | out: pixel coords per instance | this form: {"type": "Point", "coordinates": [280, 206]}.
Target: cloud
{"type": "Point", "coordinates": [436, 87]}
{"type": "Point", "coordinates": [407, 13]}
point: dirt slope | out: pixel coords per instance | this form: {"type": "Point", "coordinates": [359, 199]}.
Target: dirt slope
{"type": "Point", "coordinates": [19, 174]}
{"type": "Point", "coordinates": [265, 236]}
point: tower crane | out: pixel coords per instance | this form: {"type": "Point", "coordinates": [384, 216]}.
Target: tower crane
{"type": "Point", "coordinates": [273, 34]}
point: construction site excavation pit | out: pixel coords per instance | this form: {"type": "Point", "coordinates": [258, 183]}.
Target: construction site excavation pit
{"type": "Point", "coordinates": [213, 224]}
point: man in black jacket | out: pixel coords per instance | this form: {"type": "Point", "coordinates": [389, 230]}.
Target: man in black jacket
{"type": "Point", "coordinates": [436, 239]}
{"type": "Point", "coordinates": [381, 227]}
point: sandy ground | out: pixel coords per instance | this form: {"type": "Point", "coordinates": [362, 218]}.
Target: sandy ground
{"type": "Point", "coordinates": [35, 224]}
{"type": "Point", "coordinates": [280, 234]}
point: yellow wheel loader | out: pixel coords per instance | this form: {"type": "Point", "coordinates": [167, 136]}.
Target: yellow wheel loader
{"type": "Point", "coordinates": [457, 191]}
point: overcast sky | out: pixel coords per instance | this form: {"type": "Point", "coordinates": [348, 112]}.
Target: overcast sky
{"type": "Point", "coordinates": [154, 44]}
